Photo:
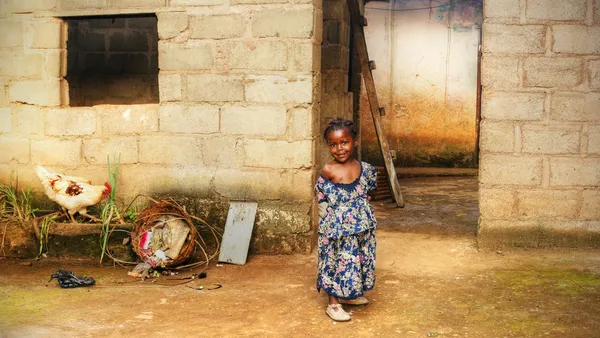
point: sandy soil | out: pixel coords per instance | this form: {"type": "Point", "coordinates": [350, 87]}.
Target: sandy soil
{"type": "Point", "coordinates": [431, 281]}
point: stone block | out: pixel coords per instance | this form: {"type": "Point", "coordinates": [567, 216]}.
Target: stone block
{"type": "Point", "coordinates": [217, 26]}
{"type": "Point", "coordinates": [502, 9]}
{"type": "Point", "coordinates": [257, 55]}
{"type": "Point", "coordinates": [132, 119]}
{"type": "Point", "coordinates": [70, 121]}
{"type": "Point", "coordinates": [572, 39]}
{"type": "Point", "coordinates": [589, 208]}
{"type": "Point", "coordinates": [285, 23]}
{"type": "Point", "coordinates": [255, 185]}
{"type": "Point", "coordinates": [21, 65]}
{"type": "Point", "coordinates": [55, 64]}
{"type": "Point", "coordinates": [551, 139]}
{"type": "Point", "coordinates": [169, 87]}
{"type": "Point", "coordinates": [56, 151]}
{"type": "Point", "coordinates": [594, 73]}
{"type": "Point", "coordinates": [178, 118]}
{"type": "Point", "coordinates": [30, 6]}
{"type": "Point", "coordinates": [193, 55]}
{"type": "Point", "coordinates": [222, 152]}
{"type": "Point", "coordinates": [96, 151]}
{"type": "Point", "coordinates": [278, 154]}
{"type": "Point", "coordinates": [15, 38]}
{"type": "Point", "coordinates": [47, 35]}
{"type": "Point", "coordinates": [29, 120]}
{"type": "Point", "coordinates": [559, 10]}
{"type": "Point", "coordinates": [279, 89]}
{"type": "Point", "coordinates": [81, 4]}
{"type": "Point", "coordinates": [538, 204]}
{"type": "Point", "coordinates": [163, 180]}
{"type": "Point", "coordinates": [5, 121]}
{"type": "Point", "coordinates": [184, 3]}
{"type": "Point", "coordinates": [510, 170]}
{"type": "Point", "coordinates": [171, 24]}
{"type": "Point", "coordinates": [513, 106]}
{"type": "Point", "coordinates": [170, 150]}
{"type": "Point", "coordinates": [497, 137]}
{"type": "Point", "coordinates": [575, 107]}
{"type": "Point", "coordinates": [214, 88]}
{"type": "Point", "coordinates": [514, 39]}
{"type": "Point", "coordinates": [254, 120]}
{"type": "Point", "coordinates": [305, 57]}
{"type": "Point", "coordinates": [38, 92]}
{"type": "Point", "coordinates": [137, 3]}
{"type": "Point", "coordinates": [301, 126]}
{"type": "Point", "coordinates": [14, 149]}
{"type": "Point", "coordinates": [593, 146]}
{"type": "Point", "coordinates": [570, 171]}
{"type": "Point", "coordinates": [552, 72]}
{"type": "Point", "coordinates": [496, 203]}
{"type": "Point", "coordinates": [298, 185]}
{"type": "Point", "coordinates": [500, 72]}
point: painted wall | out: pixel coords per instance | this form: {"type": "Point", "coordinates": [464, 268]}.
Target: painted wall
{"type": "Point", "coordinates": [426, 79]}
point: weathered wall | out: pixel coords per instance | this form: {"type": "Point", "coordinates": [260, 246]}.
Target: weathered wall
{"type": "Point", "coordinates": [239, 86]}
{"type": "Point", "coordinates": [540, 135]}
{"type": "Point", "coordinates": [426, 80]}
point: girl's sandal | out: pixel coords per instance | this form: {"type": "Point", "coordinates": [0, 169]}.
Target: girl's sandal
{"type": "Point", "coordinates": [337, 313]}
{"type": "Point", "coordinates": [356, 301]}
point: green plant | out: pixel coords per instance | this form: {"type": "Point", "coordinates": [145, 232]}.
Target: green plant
{"type": "Point", "coordinates": [46, 222]}
{"type": "Point", "coordinates": [16, 204]}
{"type": "Point", "coordinates": [110, 209]}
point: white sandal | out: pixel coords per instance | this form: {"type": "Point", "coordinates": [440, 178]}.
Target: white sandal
{"type": "Point", "coordinates": [337, 313]}
{"type": "Point", "coordinates": [356, 301]}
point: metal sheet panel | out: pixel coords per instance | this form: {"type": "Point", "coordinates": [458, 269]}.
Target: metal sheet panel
{"type": "Point", "coordinates": [238, 230]}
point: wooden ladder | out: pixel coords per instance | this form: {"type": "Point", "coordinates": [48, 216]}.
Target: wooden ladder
{"type": "Point", "coordinates": [366, 66]}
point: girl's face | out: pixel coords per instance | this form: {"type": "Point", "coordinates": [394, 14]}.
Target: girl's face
{"type": "Point", "coordinates": [341, 144]}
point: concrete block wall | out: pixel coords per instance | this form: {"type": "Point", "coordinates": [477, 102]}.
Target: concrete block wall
{"type": "Point", "coordinates": [239, 88]}
{"type": "Point", "coordinates": [540, 158]}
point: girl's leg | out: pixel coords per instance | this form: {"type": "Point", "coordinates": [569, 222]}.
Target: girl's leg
{"type": "Point", "coordinates": [333, 300]}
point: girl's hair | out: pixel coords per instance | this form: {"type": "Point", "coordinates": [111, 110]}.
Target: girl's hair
{"type": "Point", "coordinates": [340, 123]}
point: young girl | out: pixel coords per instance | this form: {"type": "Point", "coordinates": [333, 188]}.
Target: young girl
{"type": "Point", "coordinates": [347, 222]}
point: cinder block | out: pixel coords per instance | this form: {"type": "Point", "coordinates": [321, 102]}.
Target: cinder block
{"type": "Point", "coordinates": [560, 10]}
{"type": "Point", "coordinates": [169, 87]}
{"type": "Point", "coordinates": [170, 24]}
{"type": "Point", "coordinates": [257, 185]}
{"type": "Point", "coordinates": [500, 72]}
{"type": "Point", "coordinates": [97, 151]}
{"type": "Point", "coordinates": [593, 146]}
{"type": "Point", "coordinates": [222, 152]}
{"type": "Point", "coordinates": [278, 154]}
{"type": "Point", "coordinates": [92, 41]}
{"type": "Point", "coordinates": [496, 203]}
{"type": "Point", "coordinates": [56, 151]}
{"type": "Point", "coordinates": [274, 219]}
{"type": "Point", "coordinates": [15, 38]}
{"type": "Point", "coordinates": [47, 35]}
{"type": "Point", "coordinates": [217, 26]}
{"type": "Point", "coordinates": [133, 119]}
{"type": "Point", "coordinates": [214, 88]}
{"type": "Point", "coordinates": [298, 185]}
{"type": "Point", "coordinates": [170, 150]}
{"type": "Point", "coordinates": [104, 23]}
{"type": "Point", "coordinates": [193, 55]}
{"type": "Point", "coordinates": [575, 107]}
{"type": "Point", "coordinates": [81, 4]}
{"type": "Point", "coordinates": [551, 139]}
{"type": "Point", "coordinates": [596, 15]}
{"type": "Point", "coordinates": [4, 101]}
{"type": "Point", "coordinates": [20, 65]}
{"type": "Point", "coordinates": [305, 57]}
{"type": "Point", "coordinates": [552, 72]}
{"type": "Point", "coordinates": [184, 3]}
{"type": "Point", "coordinates": [513, 39]}
{"type": "Point", "coordinates": [278, 89]}
{"type": "Point", "coordinates": [29, 120]}
{"type": "Point", "coordinates": [335, 10]}
{"type": "Point", "coordinates": [538, 204]}
{"type": "Point", "coordinates": [137, 3]}
{"type": "Point", "coordinates": [30, 6]}
{"type": "Point", "coordinates": [254, 120]}
{"type": "Point", "coordinates": [5, 121]}
{"type": "Point", "coordinates": [497, 137]}
{"type": "Point", "coordinates": [513, 106]}
{"type": "Point", "coordinates": [572, 39]}
{"type": "Point", "coordinates": [335, 57]}
{"type": "Point", "coordinates": [591, 201]}
{"type": "Point", "coordinates": [130, 41]}
{"type": "Point", "coordinates": [594, 73]}
{"type": "Point", "coordinates": [285, 23]}
{"type": "Point", "coordinates": [55, 65]}
{"type": "Point", "coordinates": [502, 9]}
{"type": "Point", "coordinates": [38, 92]}
{"type": "Point", "coordinates": [14, 149]}
{"type": "Point", "coordinates": [258, 55]}
{"type": "Point", "coordinates": [301, 126]}
{"type": "Point", "coordinates": [335, 82]}
{"type": "Point", "coordinates": [178, 118]}
{"type": "Point", "coordinates": [256, 2]}
{"type": "Point", "coordinates": [574, 171]}
{"type": "Point", "coordinates": [510, 170]}
{"type": "Point", "coordinates": [70, 121]}
{"type": "Point", "coordinates": [186, 180]}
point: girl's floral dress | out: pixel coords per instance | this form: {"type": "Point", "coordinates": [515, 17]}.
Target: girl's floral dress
{"type": "Point", "coordinates": [347, 235]}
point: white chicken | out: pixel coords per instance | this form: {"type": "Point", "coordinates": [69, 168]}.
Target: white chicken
{"type": "Point", "coordinates": [73, 194]}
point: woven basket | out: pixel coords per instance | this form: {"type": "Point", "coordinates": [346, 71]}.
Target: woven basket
{"type": "Point", "coordinates": [151, 216]}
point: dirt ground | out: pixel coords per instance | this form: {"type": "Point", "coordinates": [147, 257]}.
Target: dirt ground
{"type": "Point", "coordinates": [432, 281]}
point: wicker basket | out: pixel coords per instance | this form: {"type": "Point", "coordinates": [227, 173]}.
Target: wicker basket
{"type": "Point", "coordinates": [155, 214]}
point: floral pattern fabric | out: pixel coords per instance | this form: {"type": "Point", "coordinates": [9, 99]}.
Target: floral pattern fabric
{"type": "Point", "coordinates": [346, 240]}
